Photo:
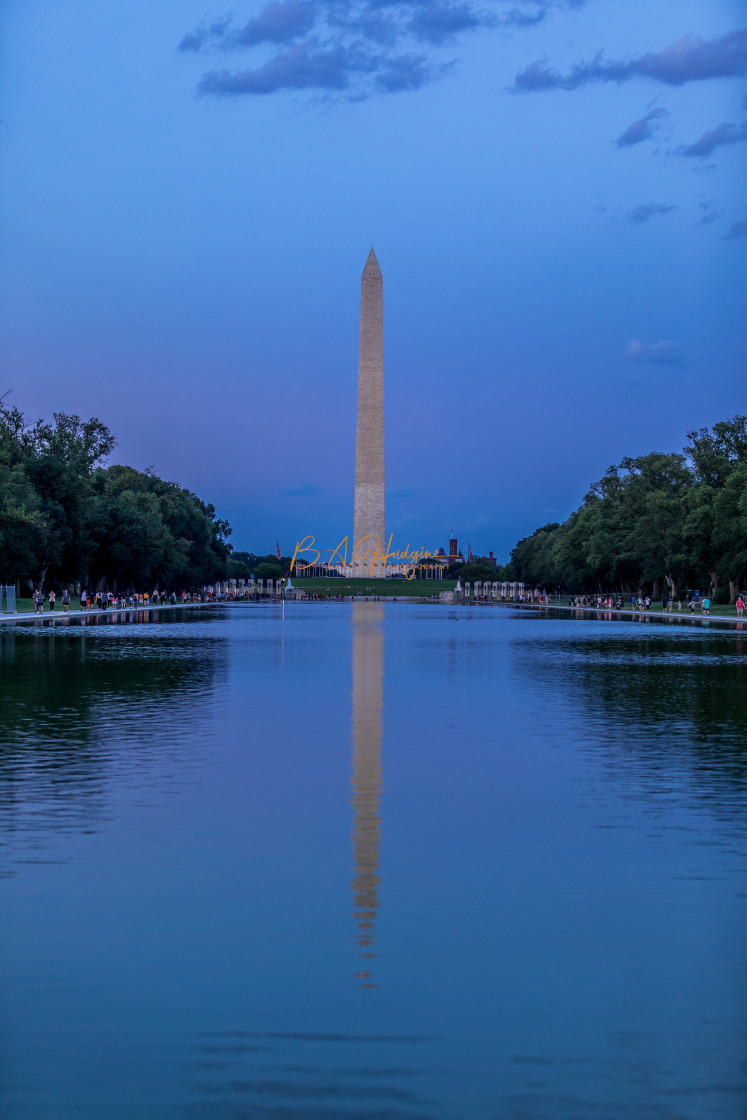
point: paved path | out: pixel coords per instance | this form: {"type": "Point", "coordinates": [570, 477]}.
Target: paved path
{"type": "Point", "coordinates": [626, 612]}
{"type": "Point", "coordinates": [29, 616]}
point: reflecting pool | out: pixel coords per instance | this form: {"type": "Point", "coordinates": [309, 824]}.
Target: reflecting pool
{"type": "Point", "coordinates": [375, 862]}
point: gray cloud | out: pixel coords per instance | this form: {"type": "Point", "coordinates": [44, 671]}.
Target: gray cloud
{"type": "Point", "coordinates": [737, 229]}
{"type": "Point", "coordinates": [408, 72]}
{"type": "Point", "coordinates": [640, 130]}
{"type": "Point", "coordinates": [518, 18]}
{"type": "Point", "coordinates": [213, 33]}
{"type": "Point", "coordinates": [282, 21]}
{"type": "Point", "coordinates": [640, 214]}
{"type": "Point", "coordinates": [437, 23]}
{"type": "Point", "coordinates": [717, 137]}
{"type": "Point", "coordinates": [279, 22]}
{"type": "Point", "coordinates": [658, 353]}
{"type": "Point", "coordinates": [689, 59]}
{"type": "Point", "coordinates": [709, 213]}
{"type": "Point", "coordinates": [379, 28]}
{"type": "Point", "coordinates": [298, 67]}
{"type": "Point", "coordinates": [304, 67]}
{"type": "Point", "coordinates": [350, 47]}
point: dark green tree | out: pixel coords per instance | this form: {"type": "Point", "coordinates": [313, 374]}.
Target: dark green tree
{"type": "Point", "coordinates": [153, 532]}
{"type": "Point", "coordinates": [269, 569]}
{"type": "Point", "coordinates": [23, 526]}
{"type": "Point", "coordinates": [533, 560]}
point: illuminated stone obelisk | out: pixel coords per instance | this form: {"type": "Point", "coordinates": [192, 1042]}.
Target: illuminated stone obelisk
{"type": "Point", "coordinates": [368, 519]}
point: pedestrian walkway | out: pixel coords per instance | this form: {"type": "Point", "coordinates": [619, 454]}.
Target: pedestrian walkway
{"type": "Point", "coordinates": [627, 612]}
{"type": "Point", "coordinates": [110, 612]}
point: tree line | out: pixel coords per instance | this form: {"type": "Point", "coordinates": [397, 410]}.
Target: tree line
{"type": "Point", "coordinates": [662, 523]}
{"type": "Point", "coordinates": [67, 518]}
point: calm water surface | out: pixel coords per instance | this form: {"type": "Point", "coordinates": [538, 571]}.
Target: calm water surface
{"type": "Point", "coordinates": [375, 863]}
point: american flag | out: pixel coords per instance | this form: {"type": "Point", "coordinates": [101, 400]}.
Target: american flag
{"type": "Point", "coordinates": [469, 551]}
{"type": "Point", "coordinates": [277, 549]}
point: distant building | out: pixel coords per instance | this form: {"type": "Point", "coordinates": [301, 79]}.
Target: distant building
{"type": "Point", "coordinates": [455, 556]}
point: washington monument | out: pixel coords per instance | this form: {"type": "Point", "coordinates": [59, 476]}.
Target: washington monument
{"type": "Point", "coordinates": [368, 519]}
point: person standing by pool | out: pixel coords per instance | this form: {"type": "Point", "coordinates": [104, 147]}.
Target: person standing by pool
{"type": "Point", "coordinates": [740, 606]}
{"type": "Point", "coordinates": [83, 598]}
{"type": "Point", "coordinates": [706, 606]}
{"type": "Point", "coordinates": [65, 600]}
{"type": "Point", "coordinates": [51, 600]}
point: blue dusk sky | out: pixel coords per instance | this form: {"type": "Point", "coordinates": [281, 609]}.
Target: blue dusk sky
{"type": "Point", "coordinates": [555, 190]}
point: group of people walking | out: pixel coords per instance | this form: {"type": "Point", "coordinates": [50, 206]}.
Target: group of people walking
{"type": "Point", "coordinates": [109, 600]}
{"type": "Point", "coordinates": [642, 604]}
{"type": "Point", "coordinates": [667, 604]}
{"type": "Point", "coordinates": [52, 600]}
{"type": "Point", "coordinates": [606, 604]}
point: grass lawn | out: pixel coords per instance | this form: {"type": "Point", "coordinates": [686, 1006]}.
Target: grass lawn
{"type": "Point", "coordinates": [26, 606]}
{"type": "Point", "coordinates": [717, 611]}
{"type": "Point", "coordinates": [419, 587]}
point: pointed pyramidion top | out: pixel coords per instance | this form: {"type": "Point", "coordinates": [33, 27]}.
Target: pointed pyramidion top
{"type": "Point", "coordinates": [372, 265]}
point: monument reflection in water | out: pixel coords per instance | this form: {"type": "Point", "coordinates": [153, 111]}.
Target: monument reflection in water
{"type": "Point", "coordinates": [368, 702]}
